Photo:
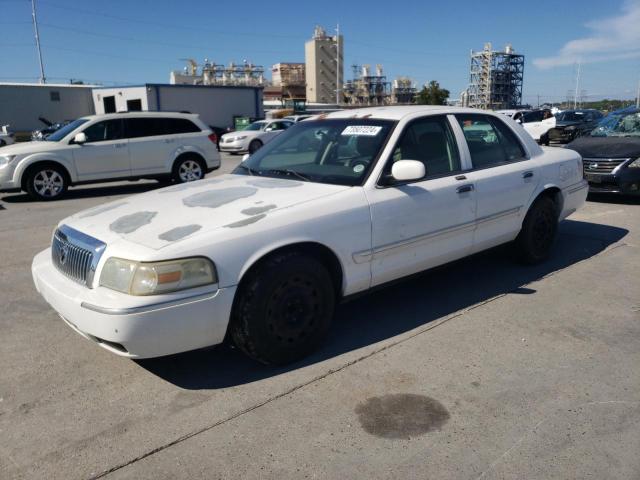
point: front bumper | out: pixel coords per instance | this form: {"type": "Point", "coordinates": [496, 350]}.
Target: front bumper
{"type": "Point", "coordinates": [135, 327]}
{"type": "Point", "coordinates": [236, 146]}
{"type": "Point", "coordinates": [625, 181]}
{"type": "Point", "coordinates": [561, 136]}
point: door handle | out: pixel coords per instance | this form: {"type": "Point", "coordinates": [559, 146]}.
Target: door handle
{"type": "Point", "coordinates": [465, 188]}
{"type": "Point", "coordinates": [527, 174]}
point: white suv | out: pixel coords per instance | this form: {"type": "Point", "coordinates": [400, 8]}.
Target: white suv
{"type": "Point", "coordinates": [109, 147]}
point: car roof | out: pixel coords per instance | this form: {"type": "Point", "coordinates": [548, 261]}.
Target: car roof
{"type": "Point", "coordinates": [107, 116]}
{"type": "Point", "coordinates": [401, 111]}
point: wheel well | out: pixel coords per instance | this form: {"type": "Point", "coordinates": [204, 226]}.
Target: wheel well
{"type": "Point", "coordinates": [256, 140]}
{"type": "Point", "coordinates": [194, 155]}
{"type": "Point", "coordinates": [555, 194]}
{"type": "Point", "coordinates": [40, 164]}
{"type": "Point", "coordinates": [316, 250]}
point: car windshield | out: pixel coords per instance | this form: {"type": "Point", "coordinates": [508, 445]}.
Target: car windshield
{"type": "Point", "coordinates": [618, 125]}
{"type": "Point", "coordinates": [336, 151]}
{"type": "Point", "coordinates": [66, 130]}
{"type": "Point", "coordinates": [256, 126]}
{"type": "Point", "coordinates": [570, 116]}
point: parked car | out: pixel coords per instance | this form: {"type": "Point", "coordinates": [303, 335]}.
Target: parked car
{"type": "Point", "coordinates": [297, 118]}
{"type": "Point", "coordinates": [50, 128]}
{"type": "Point", "coordinates": [611, 153]}
{"type": "Point", "coordinates": [109, 147]}
{"type": "Point", "coordinates": [571, 124]}
{"type": "Point", "coordinates": [254, 136]}
{"type": "Point", "coordinates": [535, 122]}
{"type": "Point", "coordinates": [6, 137]}
{"type": "Point", "coordinates": [261, 256]}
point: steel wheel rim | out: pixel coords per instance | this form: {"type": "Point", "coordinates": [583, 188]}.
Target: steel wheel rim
{"type": "Point", "coordinates": [48, 183]}
{"type": "Point", "coordinates": [190, 171]}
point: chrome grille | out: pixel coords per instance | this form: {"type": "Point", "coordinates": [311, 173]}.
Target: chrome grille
{"type": "Point", "coordinates": [602, 165]}
{"type": "Point", "coordinates": [75, 254]}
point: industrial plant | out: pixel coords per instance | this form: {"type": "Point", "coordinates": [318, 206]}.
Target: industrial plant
{"type": "Point", "coordinates": [496, 79]}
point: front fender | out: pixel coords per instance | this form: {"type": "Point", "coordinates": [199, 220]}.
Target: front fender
{"type": "Point", "coordinates": [26, 162]}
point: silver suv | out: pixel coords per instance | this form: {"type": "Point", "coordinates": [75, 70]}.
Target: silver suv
{"type": "Point", "coordinates": [110, 147]}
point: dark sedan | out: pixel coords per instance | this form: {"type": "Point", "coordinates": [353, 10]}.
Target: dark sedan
{"type": "Point", "coordinates": [611, 153]}
{"type": "Point", "coordinates": [572, 124]}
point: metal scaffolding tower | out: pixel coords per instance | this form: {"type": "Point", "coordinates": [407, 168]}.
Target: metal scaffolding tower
{"type": "Point", "coordinates": [366, 88]}
{"type": "Point", "coordinates": [496, 79]}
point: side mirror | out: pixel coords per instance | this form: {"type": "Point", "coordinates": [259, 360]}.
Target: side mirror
{"type": "Point", "coordinates": [519, 121]}
{"type": "Point", "coordinates": [245, 157]}
{"type": "Point", "coordinates": [80, 138]}
{"type": "Point", "coordinates": [407, 170]}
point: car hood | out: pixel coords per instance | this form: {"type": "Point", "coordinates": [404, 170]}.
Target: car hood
{"type": "Point", "coordinates": [568, 123]}
{"type": "Point", "coordinates": [162, 217]}
{"type": "Point", "coordinates": [606, 147]}
{"type": "Point", "coordinates": [241, 133]}
{"type": "Point", "coordinates": [27, 148]}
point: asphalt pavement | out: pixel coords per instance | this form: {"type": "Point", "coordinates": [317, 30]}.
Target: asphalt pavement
{"type": "Point", "coordinates": [483, 369]}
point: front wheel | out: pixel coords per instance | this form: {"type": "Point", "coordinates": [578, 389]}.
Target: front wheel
{"type": "Point", "coordinates": [188, 169]}
{"type": "Point", "coordinates": [46, 183]}
{"type": "Point", "coordinates": [254, 146]}
{"type": "Point", "coordinates": [538, 233]}
{"type": "Point", "coordinates": [283, 309]}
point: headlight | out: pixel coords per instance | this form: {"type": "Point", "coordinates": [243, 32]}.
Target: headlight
{"type": "Point", "coordinates": [6, 160]}
{"type": "Point", "coordinates": [153, 278]}
{"type": "Point", "coordinates": [635, 163]}
{"type": "Point", "coordinates": [235, 139]}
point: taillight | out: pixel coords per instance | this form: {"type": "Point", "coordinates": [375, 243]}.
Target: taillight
{"type": "Point", "coordinates": [213, 137]}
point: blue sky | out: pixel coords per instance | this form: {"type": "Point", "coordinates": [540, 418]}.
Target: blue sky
{"type": "Point", "coordinates": [129, 42]}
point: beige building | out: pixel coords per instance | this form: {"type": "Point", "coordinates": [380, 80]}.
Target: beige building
{"type": "Point", "coordinates": [322, 66]}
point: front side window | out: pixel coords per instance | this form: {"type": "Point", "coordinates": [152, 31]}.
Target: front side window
{"type": "Point", "coordinates": [490, 141]}
{"type": "Point", "coordinates": [104, 131]}
{"type": "Point", "coordinates": [430, 141]}
{"type": "Point", "coordinates": [335, 151]}
{"type": "Point", "coordinates": [529, 117]}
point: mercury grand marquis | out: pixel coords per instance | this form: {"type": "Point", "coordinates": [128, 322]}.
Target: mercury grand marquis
{"type": "Point", "coordinates": [332, 207]}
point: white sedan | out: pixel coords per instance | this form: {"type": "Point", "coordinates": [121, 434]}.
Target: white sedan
{"type": "Point", "coordinates": [254, 136]}
{"type": "Point", "coordinates": [333, 207]}
{"type": "Point", "coordinates": [6, 137]}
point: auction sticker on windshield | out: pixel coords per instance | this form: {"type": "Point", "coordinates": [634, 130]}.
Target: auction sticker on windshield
{"type": "Point", "coordinates": [363, 130]}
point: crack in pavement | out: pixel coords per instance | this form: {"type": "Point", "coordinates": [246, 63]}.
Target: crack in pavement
{"type": "Point", "coordinates": [318, 378]}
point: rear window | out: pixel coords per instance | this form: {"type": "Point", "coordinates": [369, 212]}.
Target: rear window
{"type": "Point", "coordinates": [151, 127]}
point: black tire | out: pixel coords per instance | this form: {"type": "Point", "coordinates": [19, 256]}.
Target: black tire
{"type": "Point", "coordinates": [2, 143]}
{"type": "Point", "coordinates": [254, 146]}
{"type": "Point", "coordinates": [538, 233]}
{"type": "Point", "coordinates": [188, 168]}
{"type": "Point", "coordinates": [46, 182]}
{"type": "Point", "coordinates": [283, 309]}
{"type": "Point", "coordinates": [544, 139]}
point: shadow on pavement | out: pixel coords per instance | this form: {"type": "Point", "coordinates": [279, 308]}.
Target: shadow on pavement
{"type": "Point", "coordinates": [613, 198]}
{"type": "Point", "coordinates": [90, 192]}
{"type": "Point", "coordinates": [387, 312]}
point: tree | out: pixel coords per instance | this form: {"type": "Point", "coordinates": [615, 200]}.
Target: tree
{"type": "Point", "coordinates": [432, 94]}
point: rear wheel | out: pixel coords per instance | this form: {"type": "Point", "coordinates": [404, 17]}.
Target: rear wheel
{"type": "Point", "coordinates": [283, 309]}
{"type": "Point", "coordinates": [538, 233]}
{"type": "Point", "coordinates": [47, 182]}
{"type": "Point", "coordinates": [254, 146]}
{"type": "Point", "coordinates": [188, 169]}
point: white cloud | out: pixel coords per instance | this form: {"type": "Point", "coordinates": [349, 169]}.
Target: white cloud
{"type": "Point", "coordinates": [613, 38]}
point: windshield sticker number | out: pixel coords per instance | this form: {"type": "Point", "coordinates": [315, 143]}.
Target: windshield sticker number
{"type": "Point", "coordinates": [362, 130]}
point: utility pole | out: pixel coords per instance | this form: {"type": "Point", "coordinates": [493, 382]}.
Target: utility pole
{"type": "Point", "coordinates": [35, 28]}
{"type": "Point", "coordinates": [638, 96]}
{"type": "Point", "coordinates": [575, 98]}
{"type": "Point", "coordinates": [338, 64]}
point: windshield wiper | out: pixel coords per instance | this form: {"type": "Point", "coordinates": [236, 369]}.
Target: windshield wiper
{"type": "Point", "coordinates": [289, 172]}
{"type": "Point", "coordinates": [248, 169]}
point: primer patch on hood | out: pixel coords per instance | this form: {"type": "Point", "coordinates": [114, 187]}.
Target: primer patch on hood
{"type": "Point", "coordinates": [97, 211]}
{"type": "Point", "coordinates": [179, 232]}
{"type": "Point", "coordinates": [258, 210]}
{"type": "Point", "coordinates": [217, 198]}
{"type": "Point", "coordinates": [274, 183]}
{"type": "Point", "coordinates": [130, 223]}
{"type": "Point", "coordinates": [246, 221]}
{"type": "Point", "coordinates": [189, 185]}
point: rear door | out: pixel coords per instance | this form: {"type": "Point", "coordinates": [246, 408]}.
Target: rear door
{"type": "Point", "coordinates": [154, 140]}
{"type": "Point", "coordinates": [105, 154]}
{"type": "Point", "coordinates": [532, 123]}
{"type": "Point", "coordinates": [503, 177]}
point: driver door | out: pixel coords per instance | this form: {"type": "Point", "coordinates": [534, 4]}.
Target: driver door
{"type": "Point", "coordinates": [424, 223]}
{"type": "Point", "coordinates": [105, 154]}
